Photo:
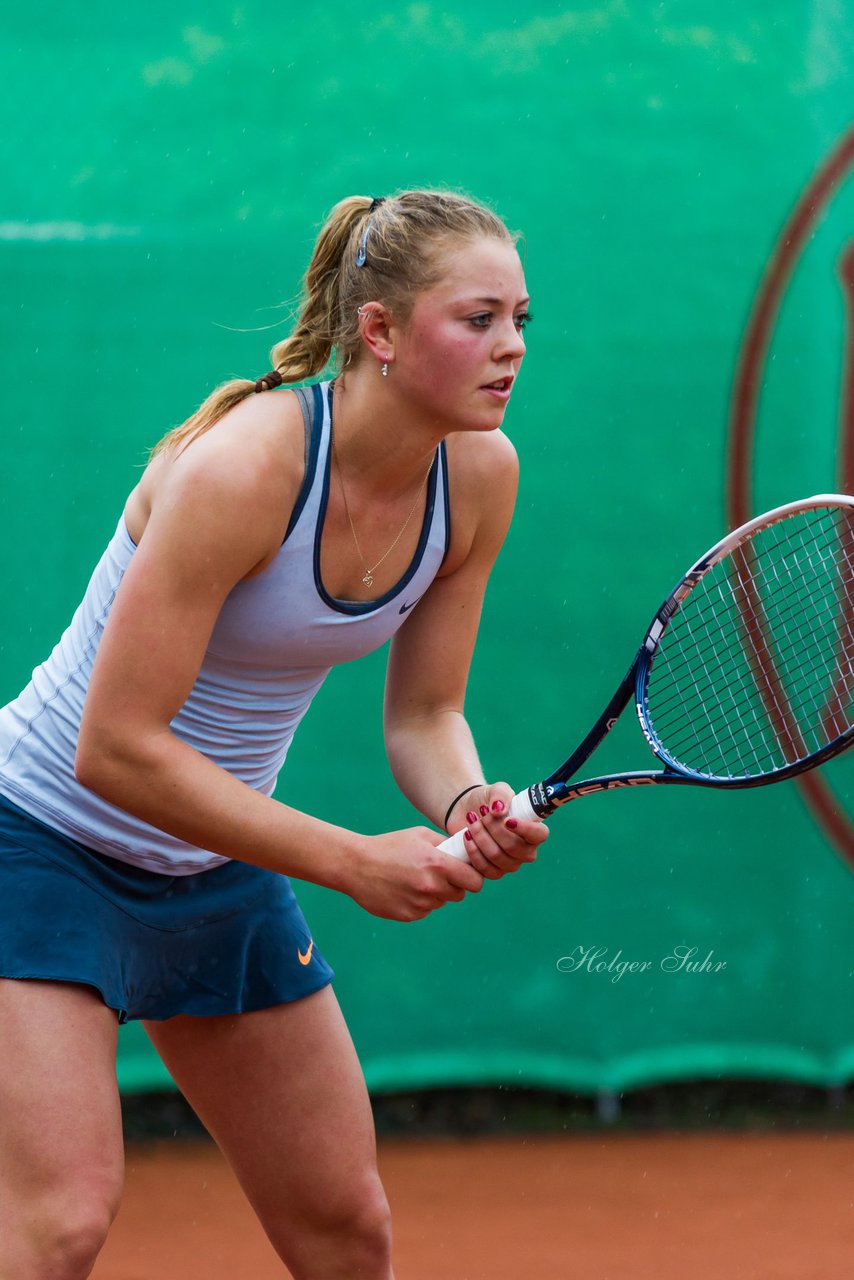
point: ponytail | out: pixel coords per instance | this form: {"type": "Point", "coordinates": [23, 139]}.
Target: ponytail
{"type": "Point", "coordinates": [307, 351]}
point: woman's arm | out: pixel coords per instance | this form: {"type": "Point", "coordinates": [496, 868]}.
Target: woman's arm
{"type": "Point", "coordinates": [430, 746]}
{"type": "Point", "coordinates": [220, 513]}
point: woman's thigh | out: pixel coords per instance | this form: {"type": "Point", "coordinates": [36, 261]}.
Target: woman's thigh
{"type": "Point", "coordinates": [60, 1116]}
{"type": "Point", "coordinates": [282, 1093]}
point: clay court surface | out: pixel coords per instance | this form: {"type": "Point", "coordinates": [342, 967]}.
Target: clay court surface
{"type": "Point", "coordinates": [601, 1207]}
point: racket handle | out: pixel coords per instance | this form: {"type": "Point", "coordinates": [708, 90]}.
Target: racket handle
{"type": "Point", "coordinates": [520, 807]}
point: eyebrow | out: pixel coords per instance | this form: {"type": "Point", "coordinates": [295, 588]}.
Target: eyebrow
{"type": "Point", "coordinates": [497, 302]}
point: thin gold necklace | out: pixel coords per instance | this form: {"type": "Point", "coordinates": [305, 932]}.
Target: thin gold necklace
{"type": "Point", "coordinates": [368, 576]}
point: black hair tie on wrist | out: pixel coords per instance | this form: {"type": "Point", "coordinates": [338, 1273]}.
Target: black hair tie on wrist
{"type": "Point", "coordinates": [270, 380]}
{"type": "Point", "coordinates": [473, 787]}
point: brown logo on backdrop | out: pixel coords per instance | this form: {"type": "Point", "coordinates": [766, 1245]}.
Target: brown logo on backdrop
{"type": "Point", "coordinates": [825, 806]}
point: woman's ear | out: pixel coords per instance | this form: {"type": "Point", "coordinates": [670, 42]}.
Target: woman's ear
{"type": "Point", "coordinates": [376, 328]}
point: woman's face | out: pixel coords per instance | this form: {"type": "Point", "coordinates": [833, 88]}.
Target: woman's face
{"type": "Point", "coordinates": [458, 356]}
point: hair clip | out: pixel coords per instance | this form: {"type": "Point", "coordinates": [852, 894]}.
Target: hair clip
{"type": "Point", "coordinates": [362, 251]}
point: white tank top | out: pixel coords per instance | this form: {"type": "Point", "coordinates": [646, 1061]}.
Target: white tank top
{"type": "Point", "coordinates": [275, 639]}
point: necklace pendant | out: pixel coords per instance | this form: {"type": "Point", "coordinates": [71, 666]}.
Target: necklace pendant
{"type": "Point", "coordinates": [368, 579]}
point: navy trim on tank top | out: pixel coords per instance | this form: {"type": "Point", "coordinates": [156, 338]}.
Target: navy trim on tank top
{"type": "Point", "coordinates": [313, 433]}
{"type": "Point", "coordinates": [368, 606]}
{"type": "Point", "coordinates": [447, 499]}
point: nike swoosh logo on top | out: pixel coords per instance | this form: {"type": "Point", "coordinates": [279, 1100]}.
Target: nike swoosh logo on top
{"type": "Point", "coordinates": [305, 956]}
{"type": "Point", "coordinates": [404, 608]}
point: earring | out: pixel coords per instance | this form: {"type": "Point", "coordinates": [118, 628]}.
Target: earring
{"type": "Point", "coordinates": [384, 371]}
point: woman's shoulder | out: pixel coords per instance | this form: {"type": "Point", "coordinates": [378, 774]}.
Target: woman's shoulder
{"type": "Point", "coordinates": [476, 458]}
{"type": "Point", "coordinates": [260, 430]}
{"type": "Point", "coordinates": [483, 473]}
{"type": "Point", "coordinates": [255, 454]}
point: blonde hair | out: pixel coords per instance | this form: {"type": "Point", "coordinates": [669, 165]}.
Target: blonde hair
{"type": "Point", "coordinates": [386, 250]}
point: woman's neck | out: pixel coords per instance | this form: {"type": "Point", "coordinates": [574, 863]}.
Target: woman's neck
{"type": "Point", "coordinates": [378, 439]}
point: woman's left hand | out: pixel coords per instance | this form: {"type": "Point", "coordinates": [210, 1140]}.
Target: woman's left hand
{"type": "Point", "coordinates": [495, 843]}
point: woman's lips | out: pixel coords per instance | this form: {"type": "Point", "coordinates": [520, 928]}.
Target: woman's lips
{"type": "Point", "coordinates": [500, 388]}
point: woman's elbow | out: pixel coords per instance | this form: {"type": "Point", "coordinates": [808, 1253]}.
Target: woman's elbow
{"type": "Point", "coordinates": [90, 768]}
{"type": "Point", "coordinates": [102, 764]}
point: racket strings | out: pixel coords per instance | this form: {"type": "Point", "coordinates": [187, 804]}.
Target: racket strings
{"type": "Point", "coordinates": [711, 737]}
{"type": "Point", "coordinates": [727, 662]}
{"type": "Point", "coordinates": [756, 669]}
{"type": "Point", "coordinates": [790, 702]}
{"type": "Point", "coordinates": [707, 606]}
{"type": "Point", "coordinates": [726, 667]}
{"type": "Point", "coordinates": [783, 616]}
{"type": "Point", "coordinates": [759, 747]}
{"type": "Point", "coordinates": [779, 703]}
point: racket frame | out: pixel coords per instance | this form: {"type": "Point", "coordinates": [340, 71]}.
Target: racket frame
{"type": "Point", "coordinates": [556, 790]}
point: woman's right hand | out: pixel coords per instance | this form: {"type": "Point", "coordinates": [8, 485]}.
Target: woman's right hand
{"type": "Point", "coordinates": [402, 875]}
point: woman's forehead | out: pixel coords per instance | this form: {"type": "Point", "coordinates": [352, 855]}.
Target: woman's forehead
{"type": "Point", "coordinates": [487, 270]}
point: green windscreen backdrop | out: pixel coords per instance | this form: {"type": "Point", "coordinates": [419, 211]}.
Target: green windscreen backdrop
{"type": "Point", "coordinates": [681, 174]}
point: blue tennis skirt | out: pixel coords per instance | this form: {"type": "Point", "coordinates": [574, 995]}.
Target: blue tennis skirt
{"type": "Point", "coordinates": [224, 941]}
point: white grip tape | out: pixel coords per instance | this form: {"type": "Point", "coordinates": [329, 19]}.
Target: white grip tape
{"type": "Point", "coordinates": [520, 807]}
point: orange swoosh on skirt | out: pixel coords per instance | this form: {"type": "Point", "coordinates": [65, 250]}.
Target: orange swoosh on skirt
{"type": "Point", "coordinates": [305, 956]}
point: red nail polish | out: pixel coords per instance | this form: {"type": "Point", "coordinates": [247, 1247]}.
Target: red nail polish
{"type": "Point", "coordinates": [511, 823]}
{"type": "Point", "coordinates": [471, 816]}
{"type": "Point", "coordinates": [483, 811]}
{"type": "Point", "coordinates": [498, 806]}
{"type": "Point", "coordinates": [468, 835]}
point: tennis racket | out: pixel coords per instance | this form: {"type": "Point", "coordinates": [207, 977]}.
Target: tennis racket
{"type": "Point", "coordinates": [746, 673]}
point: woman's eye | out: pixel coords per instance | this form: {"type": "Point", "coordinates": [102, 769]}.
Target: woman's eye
{"type": "Point", "coordinates": [484, 320]}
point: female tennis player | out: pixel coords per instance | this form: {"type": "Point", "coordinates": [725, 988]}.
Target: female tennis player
{"type": "Point", "coordinates": [144, 865]}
